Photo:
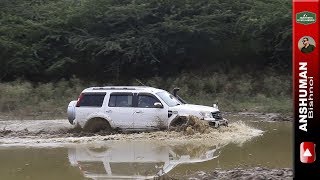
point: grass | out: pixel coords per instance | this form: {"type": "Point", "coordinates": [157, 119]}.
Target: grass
{"type": "Point", "coordinates": [21, 99]}
{"type": "Point", "coordinates": [269, 92]}
{"type": "Point", "coordinates": [234, 92]}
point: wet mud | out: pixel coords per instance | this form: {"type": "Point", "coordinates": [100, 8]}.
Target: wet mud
{"type": "Point", "coordinates": [267, 116]}
{"type": "Point", "coordinates": [33, 133]}
{"type": "Point", "coordinates": [257, 173]}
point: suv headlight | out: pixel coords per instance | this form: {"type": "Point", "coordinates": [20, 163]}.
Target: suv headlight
{"type": "Point", "coordinates": [206, 114]}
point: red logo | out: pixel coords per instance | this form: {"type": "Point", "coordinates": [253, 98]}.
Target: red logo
{"type": "Point", "coordinates": [307, 152]}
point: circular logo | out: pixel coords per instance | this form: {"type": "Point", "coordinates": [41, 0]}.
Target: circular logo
{"type": "Point", "coordinates": [306, 44]}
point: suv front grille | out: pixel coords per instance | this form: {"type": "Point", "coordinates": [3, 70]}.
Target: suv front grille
{"type": "Point", "coordinates": [217, 115]}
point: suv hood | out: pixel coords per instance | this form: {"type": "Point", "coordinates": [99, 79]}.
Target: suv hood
{"type": "Point", "coordinates": [193, 107]}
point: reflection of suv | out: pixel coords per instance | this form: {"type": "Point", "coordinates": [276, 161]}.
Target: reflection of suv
{"type": "Point", "coordinates": [136, 160]}
{"type": "Point", "coordinates": [135, 108]}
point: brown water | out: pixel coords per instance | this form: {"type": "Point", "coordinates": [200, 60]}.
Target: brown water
{"type": "Point", "coordinates": [141, 159]}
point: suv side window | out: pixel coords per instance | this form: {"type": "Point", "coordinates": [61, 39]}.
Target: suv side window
{"type": "Point", "coordinates": [146, 101]}
{"type": "Point", "coordinates": [91, 100]}
{"type": "Point", "coordinates": [120, 100]}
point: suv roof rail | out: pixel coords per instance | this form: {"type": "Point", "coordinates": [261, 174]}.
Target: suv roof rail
{"type": "Point", "coordinates": [113, 88]}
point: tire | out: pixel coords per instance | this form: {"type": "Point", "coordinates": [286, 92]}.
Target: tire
{"type": "Point", "coordinates": [71, 111]}
{"type": "Point", "coordinates": [97, 124]}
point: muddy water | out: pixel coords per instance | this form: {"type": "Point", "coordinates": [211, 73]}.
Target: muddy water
{"type": "Point", "coordinates": [139, 156]}
{"type": "Point", "coordinates": [272, 150]}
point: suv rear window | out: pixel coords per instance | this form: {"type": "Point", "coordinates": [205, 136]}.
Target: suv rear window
{"type": "Point", "coordinates": [120, 100]}
{"type": "Point", "coordinates": [91, 100]}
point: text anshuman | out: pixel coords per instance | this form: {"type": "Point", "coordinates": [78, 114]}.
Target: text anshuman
{"type": "Point", "coordinates": [305, 96]}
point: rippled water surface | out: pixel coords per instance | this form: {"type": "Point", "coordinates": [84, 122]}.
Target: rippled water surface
{"type": "Point", "coordinates": [146, 159]}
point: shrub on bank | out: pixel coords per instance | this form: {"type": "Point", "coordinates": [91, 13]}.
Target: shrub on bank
{"type": "Point", "coordinates": [21, 99]}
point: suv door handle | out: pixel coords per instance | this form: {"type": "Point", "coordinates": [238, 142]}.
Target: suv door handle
{"type": "Point", "coordinates": [139, 112]}
{"type": "Point", "coordinates": [109, 111]}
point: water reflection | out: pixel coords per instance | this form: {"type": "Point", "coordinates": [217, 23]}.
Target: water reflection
{"type": "Point", "coordinates": [136, 160]}
{"type": "Point", "coordinates": [141, 160]}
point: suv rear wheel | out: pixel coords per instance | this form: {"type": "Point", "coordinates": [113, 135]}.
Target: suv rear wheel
{"type": "Point", "coordinates": [97, 124]}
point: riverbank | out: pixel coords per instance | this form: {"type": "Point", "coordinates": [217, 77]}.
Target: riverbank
{"type": "Point", "coordinates": [261, 116]}
{"type": "Point", "coordinates": [233, 92]}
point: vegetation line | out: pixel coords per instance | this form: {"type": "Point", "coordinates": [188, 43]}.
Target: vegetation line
{"type": "Point", "coordinates": [21, 99]}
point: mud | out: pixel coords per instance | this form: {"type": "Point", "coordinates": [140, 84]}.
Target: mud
{"type": "Point", "coordinates": [35, 126]}
{"type": "Point", "coordinates": [192, 125]}
{"type": "Point", "coordinates": [55, 132]}
{"type": "Point", "coordinates": [257, 173]}
{"type": "Point", "coordinates": [263, 116]}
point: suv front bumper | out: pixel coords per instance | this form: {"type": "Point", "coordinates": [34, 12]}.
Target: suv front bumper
{"type": "Point", "coordinates": [217, 122]}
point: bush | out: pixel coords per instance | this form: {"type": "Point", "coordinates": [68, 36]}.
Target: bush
{"type": "Point", "coordinates": [20, 99]}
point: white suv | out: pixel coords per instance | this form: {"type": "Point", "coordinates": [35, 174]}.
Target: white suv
{"type": "Point", "coordinates": [135, 108]}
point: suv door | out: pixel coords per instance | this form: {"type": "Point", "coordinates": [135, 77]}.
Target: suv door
{"type": "Point", "coordinates": [146, 115]}
{"type": "Point", "coordinates": [120, 109]}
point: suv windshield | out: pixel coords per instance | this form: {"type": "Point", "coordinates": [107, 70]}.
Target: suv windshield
{"type": "Point", "coordinates": [168, 98]}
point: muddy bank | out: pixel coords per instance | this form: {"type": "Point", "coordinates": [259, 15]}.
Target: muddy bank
{"type": "Point", "coordinates": [257, 173]}
{"type": "Point", "coordinates": [33, 133]}
{"type": "Point", "coordinates": [35, 126]}
{"type": "Point", "coordinates": [262, 116]}
{"type": "Point", "coordinates": [62, 127]}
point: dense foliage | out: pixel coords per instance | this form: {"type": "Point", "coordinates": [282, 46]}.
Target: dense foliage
{"type": "Point", "coordinates": [233, 92]}
{"type": "Point", "coordinates": [43, 40]}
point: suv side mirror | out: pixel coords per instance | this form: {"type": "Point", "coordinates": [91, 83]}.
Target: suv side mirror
{"type": "Point", "coordinates": [158, 105]}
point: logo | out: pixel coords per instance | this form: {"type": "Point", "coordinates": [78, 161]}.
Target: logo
{"type": "Point", "coordinates": [306, 17]}
{"type": "Point", "coordinates": [307, 152]}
